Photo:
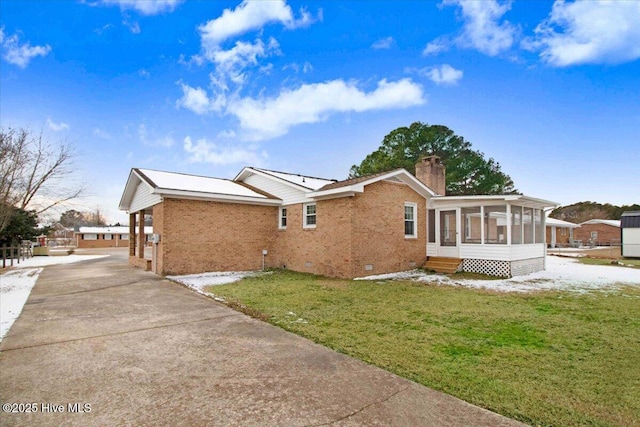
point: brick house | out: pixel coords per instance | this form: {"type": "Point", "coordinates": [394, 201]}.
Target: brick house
{"type": "Point", "coordinates": [376, 224]}
{"type": "Point", "coordinates": [105, 237]}
{"type": "Point", "coordinates": [559, 232]}
{"type": "Point", "coordinates": [599, 232]}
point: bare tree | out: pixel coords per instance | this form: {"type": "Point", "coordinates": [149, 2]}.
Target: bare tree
{"type": "Point", "coordinates": [34, 174]}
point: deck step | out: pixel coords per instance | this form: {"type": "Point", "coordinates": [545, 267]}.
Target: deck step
{"type": "Point", "coordinates": [442, 264]}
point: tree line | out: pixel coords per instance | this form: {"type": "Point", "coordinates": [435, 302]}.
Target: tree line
{"type": "Point", "coordinates": [584, 211]}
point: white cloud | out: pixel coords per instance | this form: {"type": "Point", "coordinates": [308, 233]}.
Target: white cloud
{"type": "Point", "coordinates": [305, 68]}
{"type": "Point", "coordinates": [57, 127]}
{"type": "Point", "coordinates": [232, 63]}
{"type": "Point", "coordinates": [443, 75]}
{"type": "Point", "coordinates": [482, 28]}
{"type": "Point", "coordinates": [133, 26]}
{"type": "Point", "coordinates": [589, 32]}
{"type": "Point", "coordinates": [249, 15]}
{"type": "Point", "coordinates": [311, 103]}
{"type": "Point", "coordinates": [384, 43]}
{"type": "Point", "coordinates": [441, 44]}
{"type": "Point", "coordinates": [203, 151]}
{"type": "Point", "coordinates": [145, 7]}
{"type": "Point", "coordinates": [197, 100]}
{"type": "Point", "coordinates": [20, 54]}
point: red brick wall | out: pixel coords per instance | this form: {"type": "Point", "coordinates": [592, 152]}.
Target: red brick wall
{"type": "Point", "coordinates": [354, 232]}
{"type": "Point", "coordinates": [606, 233]}
{"type": "Point", "coordinates": [378, 230]}
{"type": "Point", "coordinates": [101, 243]}
{"type": "Point", "coordinates": [199, 236]}
{"type": "Point", "coordinates": [325, 249]}
{"type": "Point", "coordinates": [351, 233]}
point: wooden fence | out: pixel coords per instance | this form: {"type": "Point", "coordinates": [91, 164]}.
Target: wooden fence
{"type": "Point", "coordinates": [15, 253]}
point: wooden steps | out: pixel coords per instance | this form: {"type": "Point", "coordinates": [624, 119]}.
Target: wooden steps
{"type": "Point", "coordinates": [442, 264]}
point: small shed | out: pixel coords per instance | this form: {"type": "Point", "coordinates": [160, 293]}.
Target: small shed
{"type": "Point", "coordinates": [630, 234]}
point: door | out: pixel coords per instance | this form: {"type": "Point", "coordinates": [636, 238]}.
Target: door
{"type": "Point", "coordinates": [448, 233]}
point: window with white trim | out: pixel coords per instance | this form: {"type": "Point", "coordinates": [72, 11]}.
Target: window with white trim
{"type": "Point", "coordinates": [410, 220]}
{"type": "Point", "coordinates": [108, 237]}
{"type": "Point", "coordinates": [309, 215]}
{"type": "Point", "coordinates": [124, 237]}
{"type": "Point", "coordinates": [282, 218]}
{"type": "Point", "coordinates": [89, 236]}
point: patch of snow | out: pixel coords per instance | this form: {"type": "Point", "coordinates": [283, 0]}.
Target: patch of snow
{"type": "Point", "coordinates": [15, 287]}
{"type": "Point", "coordinates": [43, 261]}
{"type": "Point", "coordinates": [199, 281]}
{"type": "Point", "coordinates": [561, 274]}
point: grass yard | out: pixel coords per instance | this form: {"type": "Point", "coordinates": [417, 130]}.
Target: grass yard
{"type": "Point", "coordinates": [563, 359]}
{"type": "Point", "coordinates": [628, 262]}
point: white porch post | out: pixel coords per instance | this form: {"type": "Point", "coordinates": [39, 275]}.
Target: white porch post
{"type": "Point", "coordinates": [509, 221]}
{"type": "Point", "coordinates": [482, 225]}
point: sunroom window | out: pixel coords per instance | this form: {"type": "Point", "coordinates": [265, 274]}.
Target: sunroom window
{"type": "Point", "coordinates": [471, 220]}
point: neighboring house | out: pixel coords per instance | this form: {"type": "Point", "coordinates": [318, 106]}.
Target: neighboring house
{"type": "Point", "coordinates": [60, 235]}
{"type": "Point", "coordinates": [376, 224]}
{"type": "Point", "coordinates": [559, 232]}
{"type": "Point", "coordinates": [598, 232]}
{"type": "Point", "coordinates": [106, 237]}
{"type": "Point", "coordinates": [630, 234]}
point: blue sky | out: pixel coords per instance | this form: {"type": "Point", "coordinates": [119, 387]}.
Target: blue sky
{"type": "Point", "coordinates": [550, 90]}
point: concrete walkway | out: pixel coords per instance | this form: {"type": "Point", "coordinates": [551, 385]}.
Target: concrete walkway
{"type": "Point", "coordinates": [144, 351]}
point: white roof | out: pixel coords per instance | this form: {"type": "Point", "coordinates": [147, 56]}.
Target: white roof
{"type": "Point", "coordinates": [112, 230]}
{"type": "Point", "coordinates": [518, 199]}
{"type": "Point", "coordinates": [560, 223]}
{"type": "Point", "coordinates": [611, 222]}
{"type": "Point", "coordinates": [200, 184]}
{"type": "Point", "coordinates": [301, 180]}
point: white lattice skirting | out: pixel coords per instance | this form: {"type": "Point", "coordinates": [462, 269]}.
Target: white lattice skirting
{"type": "Point", "coordinates": [503, 268]}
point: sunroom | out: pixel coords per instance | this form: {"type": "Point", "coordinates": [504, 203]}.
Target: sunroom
{"type": "Point", "coordinates": [495, 235]}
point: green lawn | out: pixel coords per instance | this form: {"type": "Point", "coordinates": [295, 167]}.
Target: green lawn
{"type": "Point", "coordinates": [628, 262]}
{"type": "Point", "coordinates": [563, 359]}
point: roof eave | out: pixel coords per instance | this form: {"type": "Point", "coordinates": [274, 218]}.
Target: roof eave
{"type": "Point", "coordinates": [129, 190]}
{"type": "Point", "coordinates": [217, 197]}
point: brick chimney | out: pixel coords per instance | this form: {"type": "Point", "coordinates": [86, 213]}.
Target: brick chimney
{"type": "Point", "coordinates": [430, 171]}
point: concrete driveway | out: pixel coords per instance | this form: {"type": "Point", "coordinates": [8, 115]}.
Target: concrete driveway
{"type": "Point", "coordinates": [141, 350]}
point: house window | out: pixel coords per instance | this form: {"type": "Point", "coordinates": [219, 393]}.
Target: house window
{"type": "Point", "coordinates": [282, 218]}
{"type": "Point", "coordinates": [89, 236]}
{"type": "Point", "coordinates": [108, 237]}
{"type": "Point", "coordinates": [410, 220]}
{"type": "Point", "coordinates": [594, 236]}
{"type": "Point", "coordinates": [124, 237]}
{"type": "Point", "coordinates": [309, 214]}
